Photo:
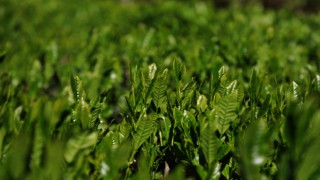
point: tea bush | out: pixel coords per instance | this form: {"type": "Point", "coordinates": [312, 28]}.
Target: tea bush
{"type": "Point", "coordinates": [161, 90]}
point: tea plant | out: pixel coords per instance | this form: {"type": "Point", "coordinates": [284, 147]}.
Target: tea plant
{"type": "Point", "coordinates": [181, 91]}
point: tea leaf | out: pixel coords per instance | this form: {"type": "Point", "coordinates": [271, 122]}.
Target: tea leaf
{"type": "Point", "coordinates": [226, 111]}
{"type": "Point", "coordinates": [159, 93]}
{"type": "Point", "coordinates": [209, 143]}
{"type": "Point", "coordinates": [146, 127]}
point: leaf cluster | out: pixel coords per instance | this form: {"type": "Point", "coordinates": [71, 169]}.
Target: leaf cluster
{"type": "Point", "coordinates": [168, 90]}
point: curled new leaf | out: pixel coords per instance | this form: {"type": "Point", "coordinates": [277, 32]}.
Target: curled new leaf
{"type": "Point", "coordinates": [202, 102]}
{"type": "Point", "coordinates": [76, 86]}
{"type": "Point", "coordinates": [152, 71]}
{"type": "Point", "coordinates": [178, 69]}
{"type": "Point", "coordinates": [82, 114]}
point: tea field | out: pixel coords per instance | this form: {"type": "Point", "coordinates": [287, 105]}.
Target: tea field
{"type": "Point", "coordinates": [160, 90]}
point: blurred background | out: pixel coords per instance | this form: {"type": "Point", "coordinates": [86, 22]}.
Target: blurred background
{"type": "Point", "coordinates": [299, 5]}
{"type": "Point", "coordinates": [296, 5]}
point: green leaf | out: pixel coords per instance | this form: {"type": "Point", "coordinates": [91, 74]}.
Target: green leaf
{"type": "Point", "coordinates": [221, 72]}
{"type": "Point", "coordinates": [145, 128]}
{"type": "Point", "coordinates": [159, 94]}
{"type": "Point", "coordinates": [53, 160]}
{"type": "Point", "coordinates": [178, 69]}
{"type": "Point", "coordinates": [82, 114]}
{"type": "Point", "coordinates": [133, 74]}
{"type": "Point", "coordinates": [152, 71]}
{"type": "Point", "coordinates": [143, 172]}
{"type": "Point", "coordinates": [188, 118]}
{"type": "Point", "coordinates": [146, 43]}
{"type": "Point", "coordinates": [226, 172]}
{"type": "Point", "coordinates": [203, 173]}
{"type": "Point", "coordinates": [301, 133]}
{"type": "Point", "coordinates": [209, 143]}
{"type": "Point", "coordinates": [253, 149]}
{"type": "Point", "coordinates": [226, 111]}
{"type": "Point", "coordinates": [165, 126]}
{"type": "Point", "coordinates": [150, 82]}
{"type": "Point", "coordinates": [125, 130]}
{"type": "Point", "coordinates": [75, 145]}
{"type": "Point", "coordinates": [2, 136]}
{"type": "Point", "coordinates": [295, 90]}
{"type": "Point", "coordinates": [189, 95]}
{"type": "Point", "coordinates": [177, 116]}
{"type": "Point", "coordinates": [37, 151]}
{"type": "Point", "coordinates": [202, 102]}
{"type": "Point", "coordinates": [178, 173]}
{"type": "Point", "coordinates": [254, 86]}
{"type": "Point", "coordinates": [216, 172]}
{"type": "Point", "coordinates": [76, 86]}
{"type": "Point", "coordinates": [240, 94]}
{"type": "Point", "coordinates": [232, 87]}
{"type": "Point", "coordinates": [317, 82]}
{"type": "Point", "coordinates": [223, 151]}
{"type": "Point", "coordinates": [95, 113]}
{"type": "Point", "coordinates": [15, 163]}
{"type": "Point", "coordinates": [131, 111]}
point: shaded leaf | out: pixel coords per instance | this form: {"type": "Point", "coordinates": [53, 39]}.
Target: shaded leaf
{"type": "Point", "coordinates": [178, 69]}
{"type": "Point", "coordinates": [254, 86]}
{"type": "Point", "coordinates": [75, 145]}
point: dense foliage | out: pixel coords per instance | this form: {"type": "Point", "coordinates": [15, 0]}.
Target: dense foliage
{"type": "Point", "coordinates": [107, 90]}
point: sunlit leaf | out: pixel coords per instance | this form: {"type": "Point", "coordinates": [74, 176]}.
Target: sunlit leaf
{"type": "Point", "coordinates": [159, 93]}
{"type": "Point", "coordinates": [225, 111]}
{"type": "Point", "coordinates": [145, 129]}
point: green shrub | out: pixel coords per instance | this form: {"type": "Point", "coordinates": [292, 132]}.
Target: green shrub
{"type": "Point", "coordinates": [168, 90]}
